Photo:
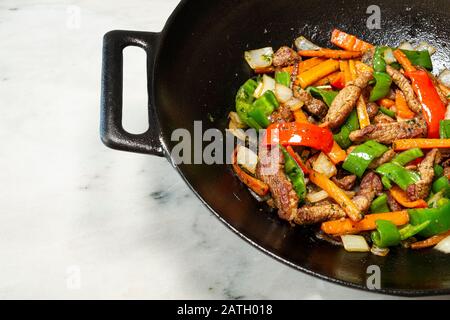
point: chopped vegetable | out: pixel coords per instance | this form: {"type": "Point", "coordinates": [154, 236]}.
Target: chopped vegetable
{"type": "Point", "coordinates": [403, 111]}
{"type": "Point", "coordinates": [244, 100]}
{"type": "Point", "coordinates": [379, 205]}
{"type": "Point", "coordinates": [263, 107]}
{"type": "Point", "coordinates": [283, 78]}
{"type": "Point", "coordinates": [337, 194]}
{"type": "Point", "coordinates": [406, 157]}
{"type": "Point", "coordinates": [388, 56]}
{"type": "Point", "coordinates": [347, 226]}
{"type": "Point", "coordinates": [438, 171]}
{"type": "Point", "coordinates": [337, 155]}
{"type": "Point", "coordinates": [399, 175]}
{"type": "Point", "coordinates": [362, 156]}
{"type": "Point", "coordinates": [386, 235]}
{"type": "Point", "coordinates": [259, 58]}
{"type": "Point", "coordinates": [304, 44]}
{"type": "Point", "coordinates": [442, 184]}
{"type": "Point", "coordinates": [387, 112]}
{"type": "Point", "coordinates": [308, 64]}
{"type": "Point", "coordinates": [431, 241]}
{"type": "Point", "coordinates": [267, 84]}
{"type": "Point", "coordinates": [433, 108]}
{"type": "Point", "coordinates": [444, 78]}
{"type": "Point", "coordinates": [402, 198]}
{"type": "Point", "coordinates": [382, 86]}
{"type": "Point", "coordinates": [247, 159]}
{"type": "Point", "coordinates": [386, 182]}
{"type": "Point", "coordinates": [349, 42]}
{"type": "Point", "coordinates": [330, 54]}
{"type": "Point", "coordinates": [326, 95]}
{"type": "Point", "coordinates": [405, 144]}
{"type": "Point", "coordinates": [439, 219]}
{"type": "Point", "coordinates": [354, 243]}
{"type": "Point", "coordinates": [426, 46]}
{"type": "Point", "coordinates": [444, 129]}
{"type": "Point", "coordinates": [314, 197]}
{"type": "Point", "coordinates": [444, 245]}
{"type": "Point", "coordinates": [387, 103]}
{"type": "Point", "coordinates": [295, 174]}
{"type": "Point", "coordinates": [324, 166]}
{"type": "Point", "coordinates": [297, 159]}
{"type": "Point", "coordinates": [299, 134]}
{"type": "Point", "coordinates": [379, 64]}
{"type": "Point", "coordinates": [344, 66]}
{"type": "Point", "coordinates": [404, 61]}
{"type": "Point", "coordinates": [352, 124]}
{"type": "Point", "coordinates": [317, 72]}
{"type": "Point", "coordinates": [338, 81]}
{"type": "Point", "coordinates": [257, 186]}
{"type": "Point", "coordinates": [283, 93]}
{"type": "Point", "coordinates": [405, 45]}
{"type": "Point", "coordinates": [419, 58]}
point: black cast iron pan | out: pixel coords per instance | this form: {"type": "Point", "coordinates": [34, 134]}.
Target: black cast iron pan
{"type": "Point", "coordinates": [195, 66]}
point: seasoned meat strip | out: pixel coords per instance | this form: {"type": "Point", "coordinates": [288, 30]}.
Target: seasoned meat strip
{"type": "Point", "coordinates": [382, 118]}
{"type": "Point", "coordinates": [270, 170]}
{"type": "Point", "coordinates": [369, 188]}
{"type": "Point", "coordinates": [421, 189]}
{"type": "Point", "coordinates": [372, 109]}
{"type": "Point", "coordinates": [347, 183]}
{"type": "Point", "coordinates": [320, 212]}
{"type": "Point", "coordinates": [282, 115]}
{"type": "Point", "coordinates": [389, 132]}
{"type": "Point", "coordinates": [346, 100]}
{"type": "Point", "coordinates": [312, 105]}
{"type": "Point", "coordinates": [404, 85]}
{"type": "Point", "coordinates": [385, 158]}
{"type": "Point", "coordinates": [393, 204]}
{"type": "Point", "coordinates": [285, 56]}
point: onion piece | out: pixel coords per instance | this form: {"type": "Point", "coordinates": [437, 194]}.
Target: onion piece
{"type": "Point", "coordinates": [294, 104]}
{"type": "Point", "coordinates": [304, 44]}
{"type": "Point", "coordinates": [238, 133]}
{"type": "Point", "coordinates": [355, 243]}
{"type": "Point", "coordinates": [389, 56]}
{"type": "Point", "coordinates": [444, 245]}
{"type": "Point", "coordinates": [235, 121]}
{"type": "Point", "coordinates": [426, 46]}
{"type": "Point", "coordinates": [444, 78]}
{"type": "Point", "coordinates": [283, 93]}
{"type": "Point", "coordinates": [314, 197]}
{"type": "Point", "coordinates": [267, 83]}
{"type": "Point", "coordinates": [324, 165]}
{"type": "Point", "coordinates": [259, 58]}
{"type": "Point", "coordinates": [381, 252]}
{"type": "Point", "coordinates": [247, 159]}
{"type": "Point", "coordinates": [405, 45]}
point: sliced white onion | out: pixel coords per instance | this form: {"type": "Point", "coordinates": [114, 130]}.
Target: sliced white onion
{"type": "Point", "coordinates": [324, 165]}
{"type": "Point", "coordinates": [294, 104]}
{"type": "Point", "coordinates": [304, 44]}
{"type": "Point", "coordinates": [238, 133]}
{"type": "Point", "coordinates": [389, 56]}
{"type": "Point", "coordinates": [444, 78]}
{"type": "Point", "coordinates": [405, 45]}
{"type": "Point", "coordinates": [258, 90]}
{"type": "Point", "coordinates": [283, 93]}
{"type": "Point", "coordinates": [426, 46]}
{"type": "Point", "coordinates": [314, 197]}
{"type": "Point", "coordinates": [235, 121]}
{"type": "Point", "coordinates": [259, 58]}
{"type": "Point", "coordinates": [354, 243]}
{"type": "Point", "coordinates": [247, 159]}
{"type": "Point", "coordinates": [444, 245]}
{"type": "Point", "coordinates": [381, 252]}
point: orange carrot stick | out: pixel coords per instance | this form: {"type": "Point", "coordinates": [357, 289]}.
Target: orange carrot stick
{"type": "Point", "coordinates": [318, 72]}
{"type": "Point", "coordinates": [337, 194]}
{"type": "Point", "coordinates": [345, 68]}
{"type": "Point", "coordinates": [259, 187]}
{"type": "Point", "coordinates": [404, 61]}
{"type": "Point", "coordinates": [362, 67]}
{"type": "Point", "coordinates": [387, 103]}
{"type": "Point", "coordinates": [401, 197]}
{"type": "Point", "coordinates": [300, 116]}
{"type": "Point", "coordinates": [403, 111]}
{"type": "Point", "coordinates": [347, 226]}
{"type": "Point", "coordinates": [363, 115]}
{"type": "Point", "coordinates": [330, 53]}
{"type": "Point", "coordinates": [430, 242]}
{"type": "Point", "coordinates": [348, 42]}
{"type": "Point", "coordinates": [305, 65]}
{"type": "Point", "coordinates": [405, 144]}
{"type": "Point", "coordinates": [337, 155]}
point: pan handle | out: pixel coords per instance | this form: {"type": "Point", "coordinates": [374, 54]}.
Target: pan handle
{"type": "Point", "coordinates": [112, 132]}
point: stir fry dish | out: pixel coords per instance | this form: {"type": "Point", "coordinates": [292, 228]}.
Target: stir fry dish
{"type": "Point", "coordinates": [356, 141]}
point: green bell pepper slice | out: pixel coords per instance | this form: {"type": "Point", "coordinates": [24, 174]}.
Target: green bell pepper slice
{"type": "Point", "coordinates": [382, 86]}
{"type": "Point", "coordinates": [379, 205]}
{"type": "Point", "coordinates": [444, 129]}
{"type": "Point", "coordinates": [442, 184]}
{"type": "Point", "coordinates": [327, 96]}
{"type": "Point", "coordinates": [244, 103]}
{"type": "Point", "coordinates": [351, 124]}
{"type": "Point", "coordinates": [407, 156]}
{"type": "Point", "coordinates": [283, 78]}
{"type": "Point", "coordinates": [399, 175]}
{"type": "Point", "coordinates": [387, 112]}
{"type": "Point", "coordinates": [386, 235]}
{"type": "Point", "coordinates": [386, 183]}
{"type": "Point", "coordinates": [419, 58]}
{"type": "Point", "coordinates": [295, 174]}
{"type": "Point", "coordinates": [379, 64]}
{"type": "Point", "coordinates": [438, 171]}
{"type": "Point", "coordinates": [439, 219]}
{"type": "Point", "coordinates": [362, 156]}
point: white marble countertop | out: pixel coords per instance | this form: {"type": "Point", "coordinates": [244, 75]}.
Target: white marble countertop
{"type": "Point", "coordinates": [78, 220]}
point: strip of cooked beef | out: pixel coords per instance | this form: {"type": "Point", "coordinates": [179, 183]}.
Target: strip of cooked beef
{"type": "Point", "coordinates": [382, 118]}
{"type": "Point", "coordinates": [385, 158]}
{"type": "Point", "coordinates": [346, 100]}
{"type": "Point", "coordinates": [347, 183]}
{"type": "Point", "coordinates": [270, 169]}
{"type": "Point", "coordinates": [369, 188]}
{"type": "Point", "coordinates": [372, 109]}
{"type": "Point", "coordinates": [367, 57]}
{"type": "Point", "coordinates": [320, 212]}
{"type": "Point", "coordinates": [312, 105]}
{"type": "Point", "coordinates": [421, 189]}
{"type": "Point", "coordinates": [389, 132]}
{"type": "Point", "coordinates": [282, 114]}
{"type": "Point", "coordinates": [393, 204]}
{"type": "Point", "coordinates": [404, 85]}
{"type": "Point", "coordinates": [285, 56]}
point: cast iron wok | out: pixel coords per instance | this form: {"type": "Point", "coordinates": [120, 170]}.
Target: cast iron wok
{"type": "Point", "coordinates": [195, 66]}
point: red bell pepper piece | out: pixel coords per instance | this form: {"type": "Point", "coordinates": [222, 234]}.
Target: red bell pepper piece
{"type": "Point", "coordinates": [299, 134]}
{"type": "Point", "coordinates": [433, 108]}
{"type": "Point", "coordinates": [297, 159]}
{"type": "Point", "coordinates": [338, 82]}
